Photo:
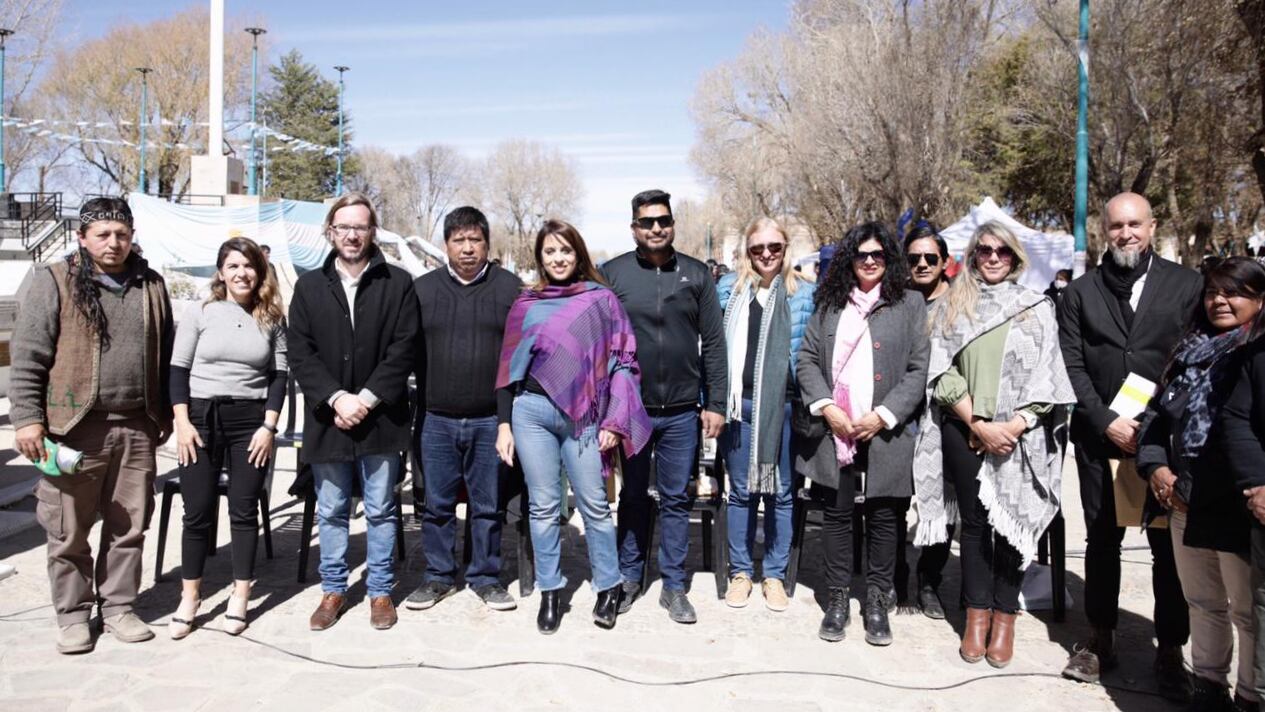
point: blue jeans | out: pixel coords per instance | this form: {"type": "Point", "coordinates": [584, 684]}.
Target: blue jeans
{"type": "Point", "coordinates": [735, 446]}
{"type": "Point", "coordinates": [456, 450]}
{"type": "Point", "coordinates": [673, 445]}
{"type": "Point", "coordinates": [544, 437]}
{"type": "Point", "coordinates": [334, 484]}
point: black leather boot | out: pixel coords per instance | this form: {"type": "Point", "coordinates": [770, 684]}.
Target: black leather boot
{"type": "Point", "coordinates": [836, 618]}
{"type": "Point", "coordinates": [607, 606]}
{"type": "Point", "coordinates": [550, 615]}
{"type": "Point", "coordinates": [877, 629]}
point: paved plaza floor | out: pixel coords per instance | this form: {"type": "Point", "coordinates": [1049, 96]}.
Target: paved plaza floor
{"type": "Point", "coordinates": [460, 655]}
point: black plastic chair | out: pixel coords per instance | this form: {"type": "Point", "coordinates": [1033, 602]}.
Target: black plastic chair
{"type": "Point", "coordinates": [171, 487]}
{"type": "Point", "coordinates": [1052, 551]}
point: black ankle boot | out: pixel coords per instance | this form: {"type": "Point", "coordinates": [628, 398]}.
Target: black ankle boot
{"type": "Point", "coordinates": [607, 606]}
{"type": "Point", "coordinates": [836, 618]}
{"type": "Point", "coordinates": [877, 629]}
{"type": "Point", "coordinates": [550, 612]}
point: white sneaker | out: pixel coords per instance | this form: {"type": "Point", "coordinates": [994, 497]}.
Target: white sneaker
{"type": "Point", "coordinates": [7, 570]}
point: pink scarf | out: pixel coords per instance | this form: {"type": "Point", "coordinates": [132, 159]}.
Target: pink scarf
{"type": "Point", "coordinates": [853, 329]}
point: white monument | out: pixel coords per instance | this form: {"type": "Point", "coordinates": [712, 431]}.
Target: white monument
{"type": "Point", "coordinates": [216, 173]}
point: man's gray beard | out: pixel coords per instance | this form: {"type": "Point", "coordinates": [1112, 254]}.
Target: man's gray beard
{"type": "Point", "coordinates": [1125, 258]}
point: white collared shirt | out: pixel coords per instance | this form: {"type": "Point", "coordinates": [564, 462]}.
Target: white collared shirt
{"type": "Point", "coordinates": [464, 282]}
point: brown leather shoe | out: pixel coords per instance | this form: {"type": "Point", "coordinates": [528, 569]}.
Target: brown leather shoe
{"type": "Point", "coordinates": [975, 637]}
{"type": "Point", "coordinates": [382, 612]}
{"type": "Point", "coordinates": [327, 613]}
{"type": "Point", "coordinates": [1001, 643]}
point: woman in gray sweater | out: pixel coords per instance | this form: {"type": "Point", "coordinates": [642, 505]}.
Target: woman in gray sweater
{"type": "Point", "coordinates": [228, 377]}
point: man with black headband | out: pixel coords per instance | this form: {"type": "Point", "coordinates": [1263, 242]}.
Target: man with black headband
{"type": "Point", "coordinates": [90, 358]}
{"type": "Point", "coordinates": [1123, 318]}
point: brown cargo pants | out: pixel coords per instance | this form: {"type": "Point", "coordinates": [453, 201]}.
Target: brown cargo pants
{"type": "Point", "coordinates": [115, 484]}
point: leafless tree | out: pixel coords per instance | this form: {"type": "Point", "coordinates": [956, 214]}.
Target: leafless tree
{"type": "Point", "coordinates": [524, 183]}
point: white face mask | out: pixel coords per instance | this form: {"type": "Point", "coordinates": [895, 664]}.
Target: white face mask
{"type": "Point", "coordinates": [1060, 283]}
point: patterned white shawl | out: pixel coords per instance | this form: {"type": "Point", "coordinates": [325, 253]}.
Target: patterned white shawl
{"type": "Point", "coordinates": [1020, 490]}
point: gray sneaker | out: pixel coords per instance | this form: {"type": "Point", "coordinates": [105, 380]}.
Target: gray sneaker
{"type": "Point", "coordinates": [75, 638]}
{"type": "Point", "coordinates": [495, 596]}
{"type": "Point", "coordinates": [428, 594]}
{"type": "Point", "coordinates": [679, 608]}
{"type": "Point", "coordinates": [128, 628]}
{"type": "Point", "coordinates": [632, 591]}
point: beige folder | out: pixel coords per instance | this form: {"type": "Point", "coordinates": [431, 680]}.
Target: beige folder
{"type": "Point", "coordinates": [1130, 491]}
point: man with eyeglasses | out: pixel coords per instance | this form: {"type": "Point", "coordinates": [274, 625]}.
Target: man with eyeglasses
{"type": "Point", "coordinates": [463, 311]}
{"type": "Point", "coordinates": [671, 300]}
{"type": "Point", "coordinates": [352, 327]}
{"type": "Point", "coordinates": [1120, 319]}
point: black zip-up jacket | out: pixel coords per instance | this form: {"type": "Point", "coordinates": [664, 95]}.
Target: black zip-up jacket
{"type": "Point", "coordinates": [672, 307]}
{"type": "Point", "coordinates": [327, 354]}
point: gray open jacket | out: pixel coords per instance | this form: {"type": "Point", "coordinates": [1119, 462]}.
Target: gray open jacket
{"type": "Point", "coordinates": [898, 332]}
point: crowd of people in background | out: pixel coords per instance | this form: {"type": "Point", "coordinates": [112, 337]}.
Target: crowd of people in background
{"type": "Point", "coordinates": [881, 386]}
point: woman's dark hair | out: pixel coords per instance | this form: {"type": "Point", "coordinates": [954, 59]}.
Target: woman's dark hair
{"type": "Point", "coordinates": [565, 231]}
{"type": "Point", "coordinates": [266, 307]}
{"type": "Point", "coordinates": [836, 288]}
{"type": "Point", "coordinates": [85, 293]}
{"type": "Point", "coordinates": [924, 230]}
{"type": "Point", "coordinates": [1235, 276]}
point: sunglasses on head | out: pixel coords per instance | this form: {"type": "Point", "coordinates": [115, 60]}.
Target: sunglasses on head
{"type": "Point", "coordinates": [773, 248]}
{"type": "Point", "coordinates": [986, 252]}
{"type": "Point", "coordinates": [932, 259]}
{"type": "Point", "coordinates": [665, 221]}
{"type": "Point", "coordinates": [878, 256]}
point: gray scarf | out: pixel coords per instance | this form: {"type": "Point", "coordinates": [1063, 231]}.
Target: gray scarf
{"type": "Point", "coordinates": [772, 368]}
{"type": "Point", "coordinates": [1019, 490]}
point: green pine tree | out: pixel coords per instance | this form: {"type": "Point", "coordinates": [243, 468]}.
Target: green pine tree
{"type": "Point", "coordinates": [303, 104]}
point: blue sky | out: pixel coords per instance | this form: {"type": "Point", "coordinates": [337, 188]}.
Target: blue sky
{"type": "Point", "coordinates": [608, 82]}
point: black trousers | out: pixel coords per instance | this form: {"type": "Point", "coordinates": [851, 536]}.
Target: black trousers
{"type": "Point", "coordinates": [884, 522]}
{"type": "Point", "coordinates": [1102, 559]}
{"type": "Point", "coordinates": [991, 574]}
{"type": "Point", "coordinates": [226, 428]}
{"type": "Point", "coordinates": [932, 560]}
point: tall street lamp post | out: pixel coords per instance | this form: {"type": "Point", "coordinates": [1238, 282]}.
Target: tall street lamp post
{"type": "Point", "coordinates": [141, 186]}
{"type": "Point", "coordinates": [339, 188]}
{"type": "Point", "coordinates": [4, 35]}
{"type": "Point", "coordinates": [255, 32]}
{"type": "Point", "coordinates": [1082, 142]}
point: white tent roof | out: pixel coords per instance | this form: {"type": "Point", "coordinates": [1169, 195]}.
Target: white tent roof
{"type": "Point", "coordinates": [1047, 253]}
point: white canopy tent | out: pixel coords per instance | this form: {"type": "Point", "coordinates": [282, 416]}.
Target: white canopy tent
{"type": "Point", "coordinates": [1047, 253]}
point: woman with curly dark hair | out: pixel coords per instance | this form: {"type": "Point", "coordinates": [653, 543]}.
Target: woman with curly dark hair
{"type": "Point", "coordinates": [862, 371]}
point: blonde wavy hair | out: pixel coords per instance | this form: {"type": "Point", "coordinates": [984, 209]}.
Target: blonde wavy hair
{"type": "Point", "coordinates": [746, 271]}
{"type": "Point", "coordinates": [266, 304]}
{"type": "Point", "coordinates": [964, 292]}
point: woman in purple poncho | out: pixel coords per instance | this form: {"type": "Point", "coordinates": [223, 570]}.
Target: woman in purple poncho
{"type": "Point", "coordinates": [569, 356]}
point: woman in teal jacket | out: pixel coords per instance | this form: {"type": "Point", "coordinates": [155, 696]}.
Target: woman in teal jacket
{"type": "Point", "coordinates": [767, 306]}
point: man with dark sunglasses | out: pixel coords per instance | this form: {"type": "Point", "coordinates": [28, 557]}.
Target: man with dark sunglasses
{"type": "Point", "coordinates": [671, 300]}
{"type": "Point", "coordinates": [928, 257]}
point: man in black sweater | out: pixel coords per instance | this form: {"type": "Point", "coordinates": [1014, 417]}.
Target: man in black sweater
{"type": "Point", "coordinates": [672, 303]}
{"type": "Point", "coordinates": [463, 312]}
{"type": "Point", "coordinates": [1124, 317]}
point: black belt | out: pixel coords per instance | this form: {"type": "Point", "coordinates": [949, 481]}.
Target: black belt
{"type": "Point", "coordinates": [667, 411]}
{"type": "Point", "coordinates": [460, 416]}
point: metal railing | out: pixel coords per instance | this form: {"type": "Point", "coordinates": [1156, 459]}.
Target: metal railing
{"type": "Point", "coordinates": [53, 240]}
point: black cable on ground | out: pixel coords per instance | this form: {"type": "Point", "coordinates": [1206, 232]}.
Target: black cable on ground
{"type": "Point", "coordinates": [420, 665]}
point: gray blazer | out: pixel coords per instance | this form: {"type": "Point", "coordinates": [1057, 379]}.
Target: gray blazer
{"type": "Point", "coordinates": [901, 350]}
